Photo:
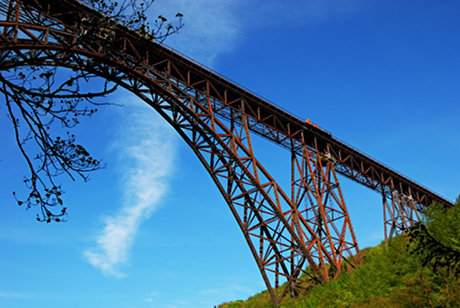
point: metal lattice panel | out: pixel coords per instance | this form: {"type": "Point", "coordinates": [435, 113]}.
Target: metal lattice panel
{"type": "Point", "coordinates": [296, 237]}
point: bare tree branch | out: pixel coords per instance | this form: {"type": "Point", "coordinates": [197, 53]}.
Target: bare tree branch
{"type": "Point", "coordinates": [44, 103]}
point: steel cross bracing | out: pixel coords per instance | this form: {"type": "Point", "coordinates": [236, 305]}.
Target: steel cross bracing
{"type": "Point", "coordinates": [285, 232]}
{"type": "Point", "coordinates": [261, 208]}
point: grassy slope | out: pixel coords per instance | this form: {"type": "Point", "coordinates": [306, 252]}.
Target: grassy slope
{"type": "Point", "coordinates": [388, 277]}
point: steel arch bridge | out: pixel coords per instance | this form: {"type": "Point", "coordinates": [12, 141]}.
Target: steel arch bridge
{"type": "Point", "coordinates": [300, 236]}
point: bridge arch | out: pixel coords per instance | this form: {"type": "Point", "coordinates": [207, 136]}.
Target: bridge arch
{"type": "Point", "coordinates": [281, 241]}
{"type": "Point", "coordinates": [214, 117]}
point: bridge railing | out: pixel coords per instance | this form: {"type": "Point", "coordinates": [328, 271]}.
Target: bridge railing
{"type": "Point", "coordinates": [262, 98]}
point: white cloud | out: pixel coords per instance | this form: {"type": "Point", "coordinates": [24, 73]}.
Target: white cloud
{"type": "Point", "coordinates": [146, 149]}
{"type": "Point", "coordinates": [211, 27]}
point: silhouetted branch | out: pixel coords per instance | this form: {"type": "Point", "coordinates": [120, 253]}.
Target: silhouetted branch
{"type": "Point", "coordinates": [44, 105]}
{"type": "Point", "coordinates": [134, 15]}
{"type": "Point", "coordinates": [36, 112]}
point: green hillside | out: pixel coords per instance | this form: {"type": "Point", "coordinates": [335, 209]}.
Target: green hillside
{"type": "Point", "coordinates": [418, 269]}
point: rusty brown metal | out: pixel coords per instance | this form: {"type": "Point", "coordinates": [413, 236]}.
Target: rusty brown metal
{"type": "Point", "coordinates": [299, 237]}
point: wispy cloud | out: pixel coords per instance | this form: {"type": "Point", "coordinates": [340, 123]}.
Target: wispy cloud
{"type": "Point", "coordinates": [211, 27]}
{"type": "Point", "coordinates": [146, 149]}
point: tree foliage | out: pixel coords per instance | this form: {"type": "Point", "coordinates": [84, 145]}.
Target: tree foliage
{"type": "Point", "coordinates": [45, 103]}
{"type": "Point", "coordinates": [416, 269]}
{"type": "Point", "coordinates": [436, 239]}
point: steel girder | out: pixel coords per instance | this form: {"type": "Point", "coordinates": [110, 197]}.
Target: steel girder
{"type": "Point", "coordinates": [281, 245]}
{"type": "Point", "coordinates": [318, 196]}
{"type": "Point", "coordinates": [400, 212]}
{"type": "Point", "coordinates": [284, 233]}
{"type": "Point", "coordinates": [268, 120]}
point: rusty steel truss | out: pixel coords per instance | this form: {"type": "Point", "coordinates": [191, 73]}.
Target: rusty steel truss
{"type": "Point", "coordinates": [299, 236]}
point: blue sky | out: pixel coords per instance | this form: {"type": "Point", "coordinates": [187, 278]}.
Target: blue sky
{"type": "Point", "coordinates": [151, 230]}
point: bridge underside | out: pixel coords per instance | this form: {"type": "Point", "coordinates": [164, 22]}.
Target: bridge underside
{"type": "Point", "coordinates": [301, 236]}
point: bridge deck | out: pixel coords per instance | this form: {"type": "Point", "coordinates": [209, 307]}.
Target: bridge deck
{"type": "Point", "coordinates": [269, 120]}
{"type": "Point", "coordinates": [350, 162]}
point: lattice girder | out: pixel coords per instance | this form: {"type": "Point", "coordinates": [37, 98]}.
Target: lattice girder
{"type": "Point", "coordinates": [261, 209]}
{"type": "Point", "coordinates": [285, 233]}
{"type": "Point", "coordinates": [400, 211]}
{"type": "Point", "coordinates": [317, 194]}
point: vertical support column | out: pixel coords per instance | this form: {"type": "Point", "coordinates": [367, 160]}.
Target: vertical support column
{"type": "Point", "coordinates": [400, 214]}
{"type": "Point", "coordinates": [413, 207]}
{"type": "Point", "coordinates": [292, 287]}
{"type": "Point", "coordinates": [388, 217]}
{"type": "Point", "coordinates": [317, 193]}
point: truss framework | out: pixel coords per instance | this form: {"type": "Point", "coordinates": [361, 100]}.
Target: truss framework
{"type": "Point", "coordinates": [399, 212]}
{"type": "Point", "coordinates": [316, 192]}
{"type": "Point", "coordinates": [299, 238]}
